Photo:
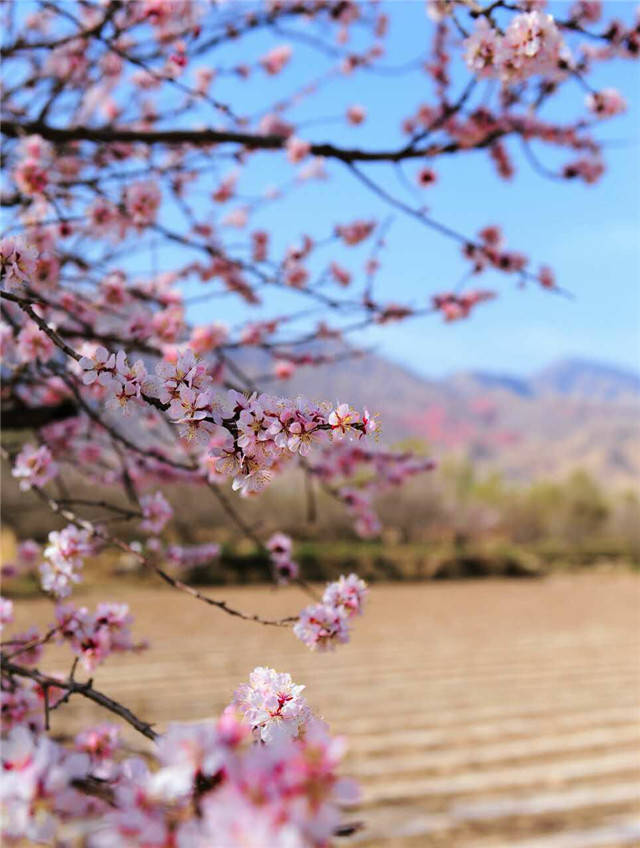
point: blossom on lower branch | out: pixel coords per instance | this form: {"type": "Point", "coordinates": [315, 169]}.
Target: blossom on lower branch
{"type": "Point", "coordinates": [322, 625]}
{"type": "Point", "coordinates": [206, 784]}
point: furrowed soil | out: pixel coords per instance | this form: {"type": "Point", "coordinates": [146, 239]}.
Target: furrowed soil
{"type": "Point", "coordinates": [481, 714]}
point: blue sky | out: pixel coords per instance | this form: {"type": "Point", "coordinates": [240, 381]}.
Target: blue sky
{"type": "Point", "coordinates": [589, 234]}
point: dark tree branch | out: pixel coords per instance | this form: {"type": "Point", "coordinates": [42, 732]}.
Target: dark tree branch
{"type": "Point", "coordinates": [73, 687]}
{"type": "Point", "coordinates": [111, 135]}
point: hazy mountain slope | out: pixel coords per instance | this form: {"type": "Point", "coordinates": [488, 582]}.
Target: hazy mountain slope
{"type": "Point", "coordinates": [572, 414]}
{"type": "Point", "coordinates": [587, 379]}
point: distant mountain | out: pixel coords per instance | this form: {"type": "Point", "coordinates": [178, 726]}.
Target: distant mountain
{"type": "Point", "coordinates": [584, 378]}
{"type": "Point", "coordinates": [575, 413]}
{"type": "Point", "coordinates": [486, 380]}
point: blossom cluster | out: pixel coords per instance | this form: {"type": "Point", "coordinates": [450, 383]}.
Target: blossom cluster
{"type": "Point", "coordinates": [17, 261]}
{"type": "Point", "coordinates": [456, 306]}
{"type": "Point", "coordinates": [490, 251]}
{"type": "Point", "coordinates": [156, 511]}
{"type": "Point", "coordinates": [6, 612]}
{"type": "Point", "coordinates": [531, 45]}
{"type": "Point", "coordinates": [122, 383]}
{"type": "Point", "coordinates": [321, 626]}
{"type": "Point", "coordinates": [64, 557]}
{"type": "Point", "coordinates": [247, 438]}
{"type": "Point", "coordinates": [260, 789]}
{"type": "Point", "coordinates": [94, 636]}
{"type": "Point", "coordinates": [34, 466]}
{"type": "Point", "coordinates": [284, 567]}
{"type": "Point", "coordinates": [22, 703]}
{"type": "Point", "coordinates": [272, 705]}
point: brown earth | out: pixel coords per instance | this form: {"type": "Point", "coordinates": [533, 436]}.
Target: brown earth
{"type": "Point", "coordinates": [479, 714]}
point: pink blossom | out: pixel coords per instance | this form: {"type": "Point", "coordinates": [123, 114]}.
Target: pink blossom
{"type": "Point", "coordinates": [186, 753]}
{"type": "Point", "coordinates": [356, 115]}
{"type": "Point", "coordinates": [437, 10]}
{"type": "Point", "coordinates": [284, 369]}
{"type": "Point", "coordinates": [128, 383]}
{"type": "Point", "coordinates": [296, 275]}
{"type": "Point", "coordinates": [103, 217]}
{"type": "Point", "coordinates": [481, 48]}
{"type": "Point", "coordinates": [36, 772]}
{"type": "Point", "coordinates": [100, 741]}
{"type": "Point", "coordinates": [34, 466]}
{"type": "Point", "coordinates": [27, 646]}
{"type": "Point", "coordinates": [17, 260]}
{"type": "Point", "coordinates": [253, 480]}
{"type": "Point", "coordinates": [28, 552]}
{"type": "Point", "coordinates": [34, 344]}
{"type": "Point", "coordinates": [297, 149]}
{"type": "Point", "coordinates": [208, 337]}
{"type": "Point", "coordinates": [21, 705]}
{"type": "Point", "coordinates": [226, 189]}
{"type": "Point", "coordinates": [341, 418]}
{"type": "Point", "coordinates": [275, 60]}
{"type": "Point", "coordinates": [355, 232]}
{"type": "Point", "coordinates": [546, 277]}
{"type": "Point", "coordinates": [6, 612]}
{"type": "Point", "coordinates": [339, 274]}
{"type": "Point", "coordinates": [47, 271]}
{"type": "Point", "coordinates": [532, 44]}
{"type": "Point", "coordinates": [172, 375]}
{"type": "Point", "coordinates": [156, 511]}
{"type": "Point", "coordinates": [94, 636]}
{"type": "Point", "coordinates": [272, 705]}
{"type": "Point", "coordinates": [587, 168]}
{"type": "Point", "coordinates": [142, 200]}
{"type": "Point", "coordinates": [587, 11]}
{"type": "Point", "coordinates": [279, 544]}
{"type": "Point", "coordinates": [347, 594]}
{"type": "Point", "coordinates": [236, 217]}
{"type": "Point", "coordinates": [99, 366]}
{"type": "Point", "coordinates": [64, 557]}
{"type": "Point", "coordinates": [369, 424]}
{"type": "Point", "coordinates": [260, 242]}
{"type": "Point", "coordinates": [31, 177]}
{"type": "Point", "coordinates": [315, 170]}
{"type": "Point", "coordinates": [284, 570]}
{"type": "Point", "coordinates": [283, 567]}
{"type": "Point", "coordinates": [204, 78]}
{"type": "Point", "coordinates": [606, 103]}
{"type": "Point", "coordinates": [320, 627]}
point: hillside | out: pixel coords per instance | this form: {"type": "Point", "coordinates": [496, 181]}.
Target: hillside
{"type": "Point", "coordinates": [574, 413]}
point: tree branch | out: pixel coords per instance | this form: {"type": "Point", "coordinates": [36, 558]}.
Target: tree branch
{"type": "Point", "coordinates": [110, 135]}
{"type": "Point", "coordinates": [85, 689]}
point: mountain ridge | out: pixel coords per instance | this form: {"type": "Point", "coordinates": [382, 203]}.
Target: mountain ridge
{"type": "Point", "coordinates": [572, 413]}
